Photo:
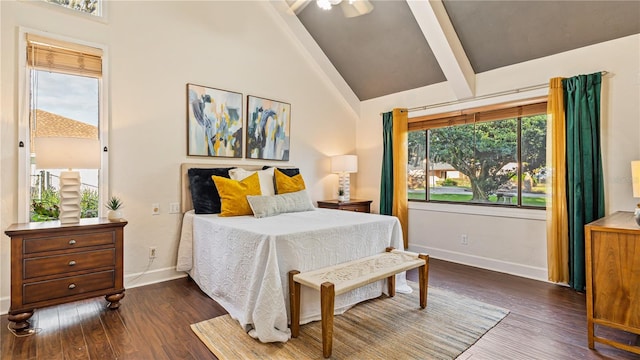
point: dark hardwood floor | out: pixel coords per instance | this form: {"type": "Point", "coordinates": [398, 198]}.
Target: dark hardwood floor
{"type": "Point", "coordinates": [545, 322]}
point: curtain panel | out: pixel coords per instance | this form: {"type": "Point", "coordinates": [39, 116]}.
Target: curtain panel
{"type": "Point", "coordinates": [393, 185]}
{"type": "Point", "coordinates": [557, 222]}
{"type": "Point", "coordinates": [585, 184]}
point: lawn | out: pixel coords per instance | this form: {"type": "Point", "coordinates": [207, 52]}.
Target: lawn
{"type": "Point", "coordinates": [538, 201]}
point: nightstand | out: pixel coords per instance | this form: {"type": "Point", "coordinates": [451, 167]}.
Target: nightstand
{"type": "Point", "coordinates": [53, 264]}
{"type": "Point", "coordinates": [351, 205]}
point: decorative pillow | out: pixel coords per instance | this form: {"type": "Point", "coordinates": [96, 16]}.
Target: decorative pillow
{"type": "Point", "coordinates": [287, 171]}
{"type": "Point", "coordinates": [266, 178]}
{"type": "Point", "coordinates": [286, 184]}
{"type": "Point", "coordinates": [264, 206]}
{"type": "Point", "coordinates": [204, 195]}
{"type": "Point", "coordinates": [234, 194]}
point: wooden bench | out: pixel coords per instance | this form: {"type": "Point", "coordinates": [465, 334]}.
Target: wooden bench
{"type": "Point", "coordinates": [338, 279]}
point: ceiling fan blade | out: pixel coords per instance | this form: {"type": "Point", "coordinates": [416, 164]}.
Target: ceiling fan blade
{"type": "Point", "coordinates": [356, 8]}
{"type": "Point", "coordinates": [298, 5]}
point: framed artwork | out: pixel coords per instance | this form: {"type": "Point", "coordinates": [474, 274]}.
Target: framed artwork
{"type": "Point", "coordinates": [268, 123]}
{"type": "Point", "coordinates": [214, 122]}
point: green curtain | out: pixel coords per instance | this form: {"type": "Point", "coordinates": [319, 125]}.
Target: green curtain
{"type": "Point", "coordinates": [386, 183]}
{"type": "Point", "coordinates": [585, 190]}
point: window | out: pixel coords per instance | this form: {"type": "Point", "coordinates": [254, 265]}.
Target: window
{"type": "Point", "coordinates": [486, 156]}
{"type": "Point", "coordinates": [64, 100]}
{"type": "Point", "coordinates": [93, 7]}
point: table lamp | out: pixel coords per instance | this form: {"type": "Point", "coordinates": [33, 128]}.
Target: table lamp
{"type": "Point", "coordinates": [635, 180]}
{"type": "Point", "coordinates": [68, 153]}
{"type": "Point", "coordinates": [344, 165]}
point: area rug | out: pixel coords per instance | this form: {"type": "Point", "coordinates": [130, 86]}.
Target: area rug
{"type": "Point", "coordinates": [382, 328]}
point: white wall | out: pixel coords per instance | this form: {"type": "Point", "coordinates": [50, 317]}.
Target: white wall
{"type": "Point", "coordinates": [155, 48]}
{"type": "Point", "coordinates": [501, 239]}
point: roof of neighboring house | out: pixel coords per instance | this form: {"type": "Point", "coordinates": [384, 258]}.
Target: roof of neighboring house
{"type": "Point", "coordinates": [48, 124]}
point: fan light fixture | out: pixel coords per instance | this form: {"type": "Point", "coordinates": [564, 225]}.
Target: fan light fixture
{"type": "Point", "coordinates": [327, 4]}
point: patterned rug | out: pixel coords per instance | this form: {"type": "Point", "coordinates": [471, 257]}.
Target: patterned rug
{"type": "Point", "coordinates": [382, 328]}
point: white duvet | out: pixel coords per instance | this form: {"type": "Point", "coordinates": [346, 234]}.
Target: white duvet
{"type": "Point", "coordinates": [243, 262]}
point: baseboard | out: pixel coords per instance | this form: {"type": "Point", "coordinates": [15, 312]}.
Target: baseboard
{"type": "Point", "coordinates": [152, 277]}
{"type": "Point", "coordinates": [5, 302]}
{"type": "Point", "coordinates": [506, 267]}
{"type": "Point", "coordinates": [130, 281]}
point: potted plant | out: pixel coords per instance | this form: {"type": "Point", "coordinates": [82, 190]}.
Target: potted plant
{"type": "Point", "coordinates": [340, 194]}
{"type": "Point", "coordinates": [114, 204]}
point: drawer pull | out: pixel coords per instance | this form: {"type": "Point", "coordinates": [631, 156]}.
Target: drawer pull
{"type": "Point", "coordinates": [72, 286]}
{"type": "Point", "coordinates": [72, 262]}
{"type": "Point", "coordinates": [72, 242]}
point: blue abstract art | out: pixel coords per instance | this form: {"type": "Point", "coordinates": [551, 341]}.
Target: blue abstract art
{"type": "Point", "coordinates": [214, 122]}
{"type": "Point", "coordinates": [268, 129]}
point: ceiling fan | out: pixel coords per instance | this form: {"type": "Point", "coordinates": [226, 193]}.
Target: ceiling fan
{"type": "Point", "coordinates": [350, 8]}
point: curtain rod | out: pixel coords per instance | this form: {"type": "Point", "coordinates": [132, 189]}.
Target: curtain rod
{"type": "Point", "coordinates": [487, 96]}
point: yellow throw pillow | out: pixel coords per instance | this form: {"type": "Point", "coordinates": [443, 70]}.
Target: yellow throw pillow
{"type": "Point", "coordinates": [233, 194]}
{"type": "Point", "coordinates": [286, 184]}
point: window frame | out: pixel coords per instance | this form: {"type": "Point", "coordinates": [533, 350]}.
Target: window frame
{"type": "Point", "coordinates": [483, 112]}
{"type": "Point", "coordinates": [24, 145]}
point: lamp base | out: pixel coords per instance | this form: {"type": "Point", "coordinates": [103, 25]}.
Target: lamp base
{"type": "Point", "coordinates": [70, 197]}
{"type": "Point", "coordinates": [345, 184]}
{"type": "Point", "coordinates": [636, 215]}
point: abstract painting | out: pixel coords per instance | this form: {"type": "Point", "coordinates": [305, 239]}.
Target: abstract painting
{"type": "Point", "coordinates": [214, 122]}
{"type": "Point", "coordinates": [267, 129]}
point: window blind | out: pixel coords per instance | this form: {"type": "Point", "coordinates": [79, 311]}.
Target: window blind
{"type": "Point", "coordinates": [61, 56]}
{"type": "Point", "coordinates": [480, 114]}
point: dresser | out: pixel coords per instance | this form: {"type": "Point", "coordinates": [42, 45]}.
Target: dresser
{"type": "Point", "coordinates": [612, 251]}
{"type": "Point", "coordinates": [53, 264]}
{"type": "Point", "coordinates": [350, 205]}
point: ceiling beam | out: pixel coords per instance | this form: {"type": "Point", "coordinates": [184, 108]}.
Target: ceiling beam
{"type": "Point", "coordinates": [315, 55]}
{"type": "Point", "coordinates": [437, 29]}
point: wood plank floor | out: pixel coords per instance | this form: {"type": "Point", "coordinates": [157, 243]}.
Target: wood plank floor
{"type": "Point", "coordinates": [546, 322]}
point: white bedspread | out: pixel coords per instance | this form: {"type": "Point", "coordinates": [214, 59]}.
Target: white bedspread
{"type": "Point", "coordinates": [243, 262]}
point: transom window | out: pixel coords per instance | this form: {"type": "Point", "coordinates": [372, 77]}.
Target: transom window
{"type": "Point", "coordinates": [485, 156]}
{"type": "Point", "coordinates": [92, 7]}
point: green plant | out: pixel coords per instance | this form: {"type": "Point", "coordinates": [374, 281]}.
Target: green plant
{"type": "Point", "coordinates": [449, 182]}
{"type": "Point", "coordinates": [341, 192]}
{"type": "Point", "coordinates": [114, 203]}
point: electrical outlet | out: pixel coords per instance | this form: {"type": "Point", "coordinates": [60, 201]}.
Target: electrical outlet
{"type": "Point", "coordinates": [464, 239]}
{"type": "Point", "coordinates": [152, 252]}
{"type": "Point", "coordinates": [155, 209]}
{"type": "Point", "coordinates": [174, 208]}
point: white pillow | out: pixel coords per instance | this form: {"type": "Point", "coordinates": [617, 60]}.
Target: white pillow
{"type": "Point", "coordinates": [265, 176]}
{"type": "Point", "coordinates": [264, 206]}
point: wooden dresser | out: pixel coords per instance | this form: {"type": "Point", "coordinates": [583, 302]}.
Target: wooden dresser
{"type": "Point", "coordinates": [53, 264]}
{"type": "Point", "coordinates": [350, 205]}
{"type": "Point", "coordinates": [612, 250]}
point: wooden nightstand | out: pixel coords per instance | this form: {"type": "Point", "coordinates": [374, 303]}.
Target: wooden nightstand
{"type": "Point", "coordinates": [351, 205]}
{"type": "Point", "coordinates": [612, 249]}
{"type": "Point", "coordinates": [53, 264]}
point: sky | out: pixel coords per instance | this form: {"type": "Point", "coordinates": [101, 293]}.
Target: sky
{"type": "Point", "coordinates": [80, 100]}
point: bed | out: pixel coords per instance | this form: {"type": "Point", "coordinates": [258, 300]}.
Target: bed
{"type": "Point", "coordinates": [242, 262]}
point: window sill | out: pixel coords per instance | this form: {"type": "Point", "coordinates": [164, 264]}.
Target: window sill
{"type": "Point", "coordinates": [518, 213]}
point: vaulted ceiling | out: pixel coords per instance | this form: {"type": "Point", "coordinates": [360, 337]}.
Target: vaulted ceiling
{"type": "Point", "coordinates": [404, 45]}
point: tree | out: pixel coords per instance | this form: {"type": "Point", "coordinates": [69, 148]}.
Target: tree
{"type": "Point", "coordinates": [482, 150]}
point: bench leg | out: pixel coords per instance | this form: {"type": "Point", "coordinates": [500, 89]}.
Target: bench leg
{"type": "Point", "coordinates": [423, 278]}
{"type": "Point", "coordinates": [294, 304]}
{"type": "Point", "coordinates": [327, 297]}
{"type": "Point", "coordinates": [391, 283]}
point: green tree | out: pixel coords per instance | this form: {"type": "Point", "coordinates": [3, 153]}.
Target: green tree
{"type": "Point", "coordinates": [416, 145]}
{"type": "Point", "coordinates": [480, 151]}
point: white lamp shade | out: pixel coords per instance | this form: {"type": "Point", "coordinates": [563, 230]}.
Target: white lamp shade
{"type": "Point", "coordinates": [344, 164]}
{"type": "Point", "coordinates": [67, 153]}
{"type": "Point", "coordinates": [635, 177]}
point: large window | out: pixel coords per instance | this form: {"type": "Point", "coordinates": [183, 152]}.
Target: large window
{"type": "Point", "coordinates": [64, 101]}
{"type": "Point", "coordinates": [492, 156]}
